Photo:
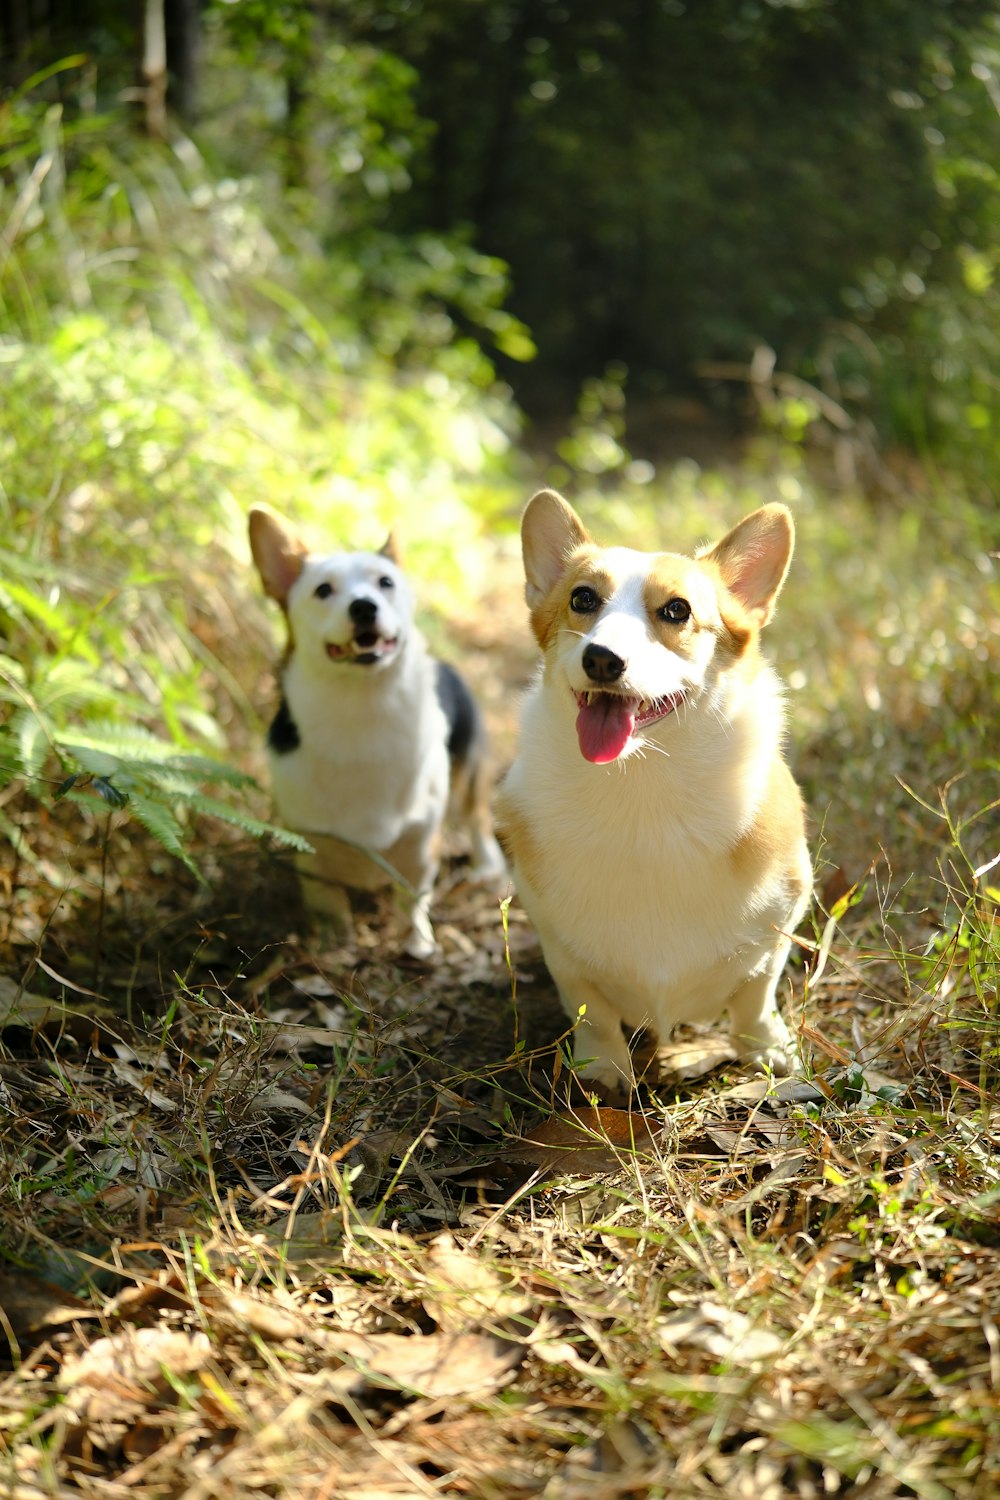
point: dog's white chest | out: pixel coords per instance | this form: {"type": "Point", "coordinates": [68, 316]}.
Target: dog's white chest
{"type": "Point", "coordinates": [645, 896]}
{"type": "Point", "coordinates": [630, 872]}
{"type": "Point", "coordinates": [371, 760]}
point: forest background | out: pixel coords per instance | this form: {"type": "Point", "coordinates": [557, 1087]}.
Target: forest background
{"type": "Point", "coordinates": [397, 264]}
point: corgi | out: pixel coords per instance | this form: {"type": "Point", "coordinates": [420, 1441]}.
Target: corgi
{"type": "Point", "coordinates": [373, 739]}
{"type": "Point", "coordinates": [654, 832]}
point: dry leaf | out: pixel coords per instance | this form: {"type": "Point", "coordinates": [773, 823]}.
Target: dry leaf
{"type": "Point", "coordinates": [21, 1007]}
{"type": "Point", "coordinates": [690, 1060]}
{"type": "Point", "coordinates": [158, 1289]}
{"type": "Point", "coordinates": [273, 1317]}
{"type": "Point", "coordinates": [774, 1090]}
{"type": "Point", "coordinates": [441, 1365]}
{"type": "Point", "coordinates": [586, 1140]}
{"type": "Point", "coordinates": [139, 1080]}
{"type": "Point", "coordinates": [465, 1290]}
{"type": "Point", "coordinates": [118, 1376]}
{"type": "Point", "coordinates": [722, 1332]}
{"type": "Point", "coordinates": [28, 1304]}
{"type": "Point", "coordinates": [273, 1098]}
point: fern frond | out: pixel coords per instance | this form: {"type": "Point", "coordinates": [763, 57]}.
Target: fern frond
{"type": "Point", "coordinates": [71, 681]}
{"type": "Point", "coordinates": [212, 807]}
{"type": "Point", "coordinates": [127, 742]}
{"type": "Point", "coordinates": [27, 604]}
{"type": "Point", "coordinates": [161, 823]}
{"type": "Point", "coordinates": [34, 741]}
{"type": "Point", "coordinates": [10, 759]}
{"type": "Point", "coordinates": [214, 770]}
{"type": "Point", "coordinates": [12, 669]}
{"type": "Point", "coordinates": [88, 758]}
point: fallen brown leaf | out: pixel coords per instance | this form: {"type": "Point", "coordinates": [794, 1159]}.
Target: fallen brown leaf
{"type": "Point", "coordinates": [442, 1365]}
{"type": "Point", "coordinates": [29, 1305]}
{"type": "Point", "coordinates": [465, 1289]}
{"type": "Point", "coordinates": [690, 1060]}
{"type": "Point", "coordinates": [723, 1332]}
{"type": "Point", "coordinates": [586, 1140]}
{"type": "Point", "coordinates": [117, 1377]}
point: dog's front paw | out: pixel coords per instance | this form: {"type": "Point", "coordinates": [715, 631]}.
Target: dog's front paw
{"type": "Point", "coordinates": [420, 942]}
{"type": "Point", "coordinates": [773, 1052]}
{"type": "Point", "coordinates": [489, 868]}
{"type": "Point", "coordinates": [780, 1060]}
{"type": "Point", "coordinates": [420, 947]}
{"type": "Point", "coordinates": [604, 1077]}
{"type": "Point", "coordinates": [764, 1039]}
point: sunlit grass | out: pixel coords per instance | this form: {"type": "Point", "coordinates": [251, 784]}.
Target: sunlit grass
{"type": "Point", "coordinates": [258, 1162]}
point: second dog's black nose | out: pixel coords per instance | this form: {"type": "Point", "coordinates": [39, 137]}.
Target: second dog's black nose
{"type": "Point", "coordinates": [602, 665]}
{"type": "Point", "coordinates": [362, 611]}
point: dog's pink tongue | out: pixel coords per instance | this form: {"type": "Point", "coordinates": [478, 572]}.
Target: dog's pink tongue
{"type": "Point", "coordinates": [604, 726]}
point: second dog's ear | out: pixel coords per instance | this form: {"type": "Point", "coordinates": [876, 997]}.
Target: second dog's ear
{"type": "Point", "coordinates": [550, 531]}
{"type": "Point", "coordinates": [277, 551]}
{"type": "Point", "coordinates": [753, 559]}
{"type": "Point", "coordinates": [390, 549]}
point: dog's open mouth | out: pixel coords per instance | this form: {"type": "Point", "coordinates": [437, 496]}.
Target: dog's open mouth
{"type": "Point", "coordinates": [607, 721]}
{"type": "Point", "coordinates": [364, 649]}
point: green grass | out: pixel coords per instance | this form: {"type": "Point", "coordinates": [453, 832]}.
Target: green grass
{"type": "Point", "coordinates": [785, 1288]}
{"type": "Point", "coordinates": [275, 1219]}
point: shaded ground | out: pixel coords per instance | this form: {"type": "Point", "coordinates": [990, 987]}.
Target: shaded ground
{"type": "Point", "coordinates": [281, 1220]}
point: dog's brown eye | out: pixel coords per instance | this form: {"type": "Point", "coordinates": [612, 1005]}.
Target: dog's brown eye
{"type": "Point", "coordinates": [676, 611]}
{"type": "Point", "coordinates": [323, 590]}
{"type": "Point", "coordinates": [386, 582]}
{"type": "Point", "coordinates": [584, 600]}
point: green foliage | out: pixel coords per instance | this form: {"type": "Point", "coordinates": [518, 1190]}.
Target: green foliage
{"type": "Point", "coordinates": [135, 770]}
{"type": "Point", "coordinates": [330, 132]}
{"type": "Point", "coordinates": [169, 355]}
{"type": "Point", "coordinates": [692, 179]}
{"type": "Point", "coordinates": [926, 342]}
{"type": "Point", "coordinates": [594, 443]}
{"type": "Point", "coordinates": [676, 183]}
{"type": "Point", "coordinates": [55, 743]}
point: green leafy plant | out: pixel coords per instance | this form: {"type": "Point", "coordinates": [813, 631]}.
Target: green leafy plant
{"type": "Point", "coordinates": [170, 352]}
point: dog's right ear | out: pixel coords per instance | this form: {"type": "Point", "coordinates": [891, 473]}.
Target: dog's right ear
{"type": "Point", "coordinates": [550, 531]}
{"type": "Point", "coordinates": [277, 551]}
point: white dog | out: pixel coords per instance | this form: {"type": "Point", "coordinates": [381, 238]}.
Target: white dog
{"type": "Point", "coordinates": [373, 738]}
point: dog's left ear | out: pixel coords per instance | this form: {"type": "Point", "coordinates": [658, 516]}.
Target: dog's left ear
{"type": "Point", "coordinates": [550, 531]}
{"type": "Point", "coordinates": [277, 551]}
{"type": "Point", "coordinates": [753, 559]}
{"type": "Point", "coordinates": [390, 549]}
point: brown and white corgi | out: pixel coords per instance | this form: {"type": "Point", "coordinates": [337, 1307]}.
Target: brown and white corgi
{"type": "Point", "coordinates": [655, 833]}
{"type": "Point", "coordinates": [374, 740]}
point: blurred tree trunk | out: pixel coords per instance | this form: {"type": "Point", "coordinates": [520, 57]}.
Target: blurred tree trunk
{"type": "Point", "coordinates": [153, 70]}
{"type": "Point", "coordinates": [300, 61]}
{"type": "Point", "coordinates": [507, 84]}
{"type": "Point", "coordinates": [296, 165]}
{"type": "Point", "coordinates": [183, 29]}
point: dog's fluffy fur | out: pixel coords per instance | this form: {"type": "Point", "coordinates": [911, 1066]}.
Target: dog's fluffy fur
{"type": "Point", "coordinates": [373, 738]}
{"type": "Point", "coordinates": [655, 833]}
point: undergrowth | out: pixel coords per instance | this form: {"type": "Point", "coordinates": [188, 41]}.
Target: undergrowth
{"type": "Point", "coordinates": [165, 364]}
{"type": "Point", "coordinates": [280, 1219]}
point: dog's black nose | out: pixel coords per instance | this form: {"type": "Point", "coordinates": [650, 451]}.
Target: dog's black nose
{"type": "Point", "coordinates": [362, 611]}
{"type": "Point", "coordinates": [602, 665]}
